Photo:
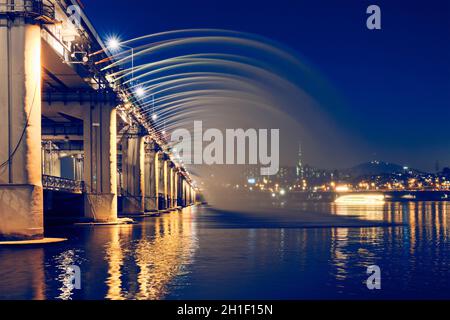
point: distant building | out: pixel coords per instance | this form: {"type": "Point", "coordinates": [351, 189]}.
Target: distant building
{"type": "Point", "coordinates": [299, 168]}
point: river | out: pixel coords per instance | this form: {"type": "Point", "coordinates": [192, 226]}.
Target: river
{"type": "Point", "coordinates": [205, 254]}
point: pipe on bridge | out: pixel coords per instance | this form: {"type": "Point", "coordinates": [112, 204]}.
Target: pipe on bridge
{"type": "Point", "coordinates": [151, 181]}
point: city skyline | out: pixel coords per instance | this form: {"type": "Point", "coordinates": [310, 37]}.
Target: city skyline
{"type": "Point", "coordinates": [385, 92]}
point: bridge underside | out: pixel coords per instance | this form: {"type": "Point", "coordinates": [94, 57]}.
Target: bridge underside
{"type": "Point", "coordinates": [62, 140]}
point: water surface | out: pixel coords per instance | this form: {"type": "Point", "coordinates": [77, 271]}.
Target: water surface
{"type": "Point", "coordinates": [199, 254]}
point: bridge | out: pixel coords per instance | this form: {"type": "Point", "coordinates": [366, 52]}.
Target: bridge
{"type": "Point", "coordinates": [64, 129]}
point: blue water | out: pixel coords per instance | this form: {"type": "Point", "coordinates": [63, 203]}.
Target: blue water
{"type": "Point", "coordinates": [199, 254]}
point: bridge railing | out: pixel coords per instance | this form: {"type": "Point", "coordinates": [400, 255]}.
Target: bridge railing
{"type": "Point", "coordinates": [42, 10]}
{"type": "Point", "coordinates": [62, 184]}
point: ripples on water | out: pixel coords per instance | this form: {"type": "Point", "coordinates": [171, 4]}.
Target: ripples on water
{"type": "Point", "coordinates": [198, 255]}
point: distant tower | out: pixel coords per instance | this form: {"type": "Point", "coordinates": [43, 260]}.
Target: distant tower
{"type": "Point", "coordinates": [299, 167]}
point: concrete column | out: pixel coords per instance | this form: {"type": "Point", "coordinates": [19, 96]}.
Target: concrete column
{"type": "Point", "coordinates": [79, 167]}
{"type": "Point", "coordinates": [170, 179]}
{"type": "Point", "coordinates": [166, 183]}
{"type": "Point", "coordinates": [179, 190]}
{"type": "Point", "coordinates": [51, 163]}
{"type": "Point", "coordinates": [174, 176]}
{"type": "Point", "coordinates": [100, 162]}
{"type": "Point", "coordinates": [184, 192]}
{"type": "Point", "coordinates": [133, 163]}
{"type": "Point", "coordinates": [189, 194]}
{"type": "Point", "coordinates": [21, 195]}
{"type": "Point", "coordinates": [151, 177]}
{"type": "Point", "coordinates": [160, 181]}
{"type": "Point", "coordinates": [173, 196]}
{"type": "Point", "coordinates": [156, 170]}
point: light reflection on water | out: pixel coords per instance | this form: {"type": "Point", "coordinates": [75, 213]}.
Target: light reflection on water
{"type": "Point", "coordinates": [158, 256]}
{"type": "Point", "coordinates": [197, 255]}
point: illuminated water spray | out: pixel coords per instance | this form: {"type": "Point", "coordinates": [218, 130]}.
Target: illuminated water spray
{"type": "Point", "coordinates": [224, 78]}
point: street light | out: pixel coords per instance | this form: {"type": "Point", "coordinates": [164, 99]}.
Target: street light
{"type": "Point", "coordinates": [114, 44]}
{"type": "Point", "coordinates": [154, 115]}
{"type": "Point", "coordinates": [140, 92]}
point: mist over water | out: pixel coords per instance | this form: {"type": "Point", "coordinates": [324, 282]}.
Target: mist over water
{"type": "Point", "coordinates": [226, 80]}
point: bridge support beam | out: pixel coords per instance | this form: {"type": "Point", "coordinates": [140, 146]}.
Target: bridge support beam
{"type": "Point", "coordinates": [188, 194]}
{"type": "Point", "coordinates": [176, 187]}
{"type": "Point", "coordinates": [173, 187]}
{"type": "Point", "coordinates": [100, 163]}
{"type": "Point", "coordinates": [179, 180]}
{"type": "Point", "coordinates": [184, 192]}
{"type": "Point", "coordinates": [168, 183]}
{"type": "Point", "coordinates": [151, 178]}
{"type": "Point", "coordinates": [21, 195]}
{"type": "Point", "coordinates": [194, 196]}
{"type": "Point", "coordinates": [160, 178]}
{"type": "Point", "coordinates": [133, 159]}
{"type": "Point", "coordinates": [165, 181]}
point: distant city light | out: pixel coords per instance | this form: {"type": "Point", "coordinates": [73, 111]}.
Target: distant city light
{"type": "Point", "coordinates": [251, 181]}
{"type": "Point", "coordinates": [282, 192]}
{"type": "Point", "coordinates": [342, 188]}
{"type": "Point", "coordinates": [154, 116]}
{"type": "Point", "coordinates": [273, 195]}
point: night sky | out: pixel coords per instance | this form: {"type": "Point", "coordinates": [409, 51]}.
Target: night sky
{"type": "Point", "coordinates": [394, 83]}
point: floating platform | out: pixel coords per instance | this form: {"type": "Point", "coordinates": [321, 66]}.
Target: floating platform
{"type": "Point", "coordinates": [141, 215]}
{"type": "Point", "coordinates": [151, 213]}
{"type": "Point", "coordinates": [120, 221]}
{"type": "Point", "coordinates": [43, 241]}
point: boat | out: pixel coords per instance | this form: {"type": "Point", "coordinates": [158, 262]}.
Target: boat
{"type": "Point", "coordinates": [360, 199]}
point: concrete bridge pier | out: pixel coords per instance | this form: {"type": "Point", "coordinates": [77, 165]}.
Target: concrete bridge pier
{"type": "Point", "coordinates": [176, 188]}
{"type": "Point", "coordinates": [100, 163]}
{"type": "Point", "coordinates": [173, 184]}
{"type": "Point", "coordinates": [193, 196]}
{"type": "Point", "coordinates": [179, 184]}
{"type": "Point", "coordinates": [151, 177]}
{"type": "Point", "coordinates": [169, 195]}
{"type": "Point", "coordinates": [50, 160]}
{"type": "Point", "coordinates": [184, 192]}
{"type": "Point", "coordinates": [166, 182]}
{"type": "Point", "coordinates": [21, 194]}
{"type": "Point", "coordinates": [161, 180]}
{"type": "Point", "coordinates": [188, 195]}
{"type": "Point", "coordinates": [133, 163]}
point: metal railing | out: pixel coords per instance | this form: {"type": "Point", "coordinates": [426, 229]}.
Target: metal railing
{"type": "Point", "coordinates": [62, 184]}
{"type": "Point", "coordinates": [41, 10]}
